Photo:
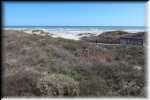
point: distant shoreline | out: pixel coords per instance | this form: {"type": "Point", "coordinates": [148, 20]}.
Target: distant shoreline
{"type": "Point", "coordinates": [84, 27]}
{"type": "Point", "coordinates": [75, 33]}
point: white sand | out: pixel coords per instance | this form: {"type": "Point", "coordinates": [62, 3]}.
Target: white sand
{"type": "Point", "coordinates": [74, 34]}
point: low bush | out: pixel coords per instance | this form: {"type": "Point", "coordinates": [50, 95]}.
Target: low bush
{"type": "Point", "coordinates": [58, 85]}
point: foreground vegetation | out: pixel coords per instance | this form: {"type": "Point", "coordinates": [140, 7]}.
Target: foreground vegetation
{"type": "Point", "coordinates": [36, 65]}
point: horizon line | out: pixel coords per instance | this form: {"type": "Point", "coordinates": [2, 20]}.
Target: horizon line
{"type": "Point", "coordinates": [68, 25]}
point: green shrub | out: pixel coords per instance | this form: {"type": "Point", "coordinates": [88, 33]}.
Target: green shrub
{"type": "Point", "coordinates": [58, 85]}
{"type": "Point", "coordinates": [73, 74]}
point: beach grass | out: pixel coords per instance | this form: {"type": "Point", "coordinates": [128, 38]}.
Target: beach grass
{"type": "Point", "coordinates": [35, 65]}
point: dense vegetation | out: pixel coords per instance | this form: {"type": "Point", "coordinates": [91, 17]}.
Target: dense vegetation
{"type": "Point", "coordinates": [36, 65]}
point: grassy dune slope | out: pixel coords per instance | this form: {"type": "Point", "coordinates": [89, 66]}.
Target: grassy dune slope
{"type": "Point", "coordinates": [113, 37]}
{"type": "Point", "coordinates": [36, 65]}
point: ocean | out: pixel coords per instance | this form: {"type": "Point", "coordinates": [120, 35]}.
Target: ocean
{"type": "Point", "coordinates": [72, 32]}
{"type": "Point", "coordinates": [80, 27]}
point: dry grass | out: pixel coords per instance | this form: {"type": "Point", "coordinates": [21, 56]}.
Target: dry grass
{"type": "Point", "coordinates": [36, 65]}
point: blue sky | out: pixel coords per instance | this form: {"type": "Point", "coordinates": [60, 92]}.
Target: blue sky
{"type": "Point", "coordinates": [74, 13]}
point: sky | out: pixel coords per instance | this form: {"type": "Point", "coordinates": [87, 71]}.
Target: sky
{"type": "Point", "coordinates": [74, 13]}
